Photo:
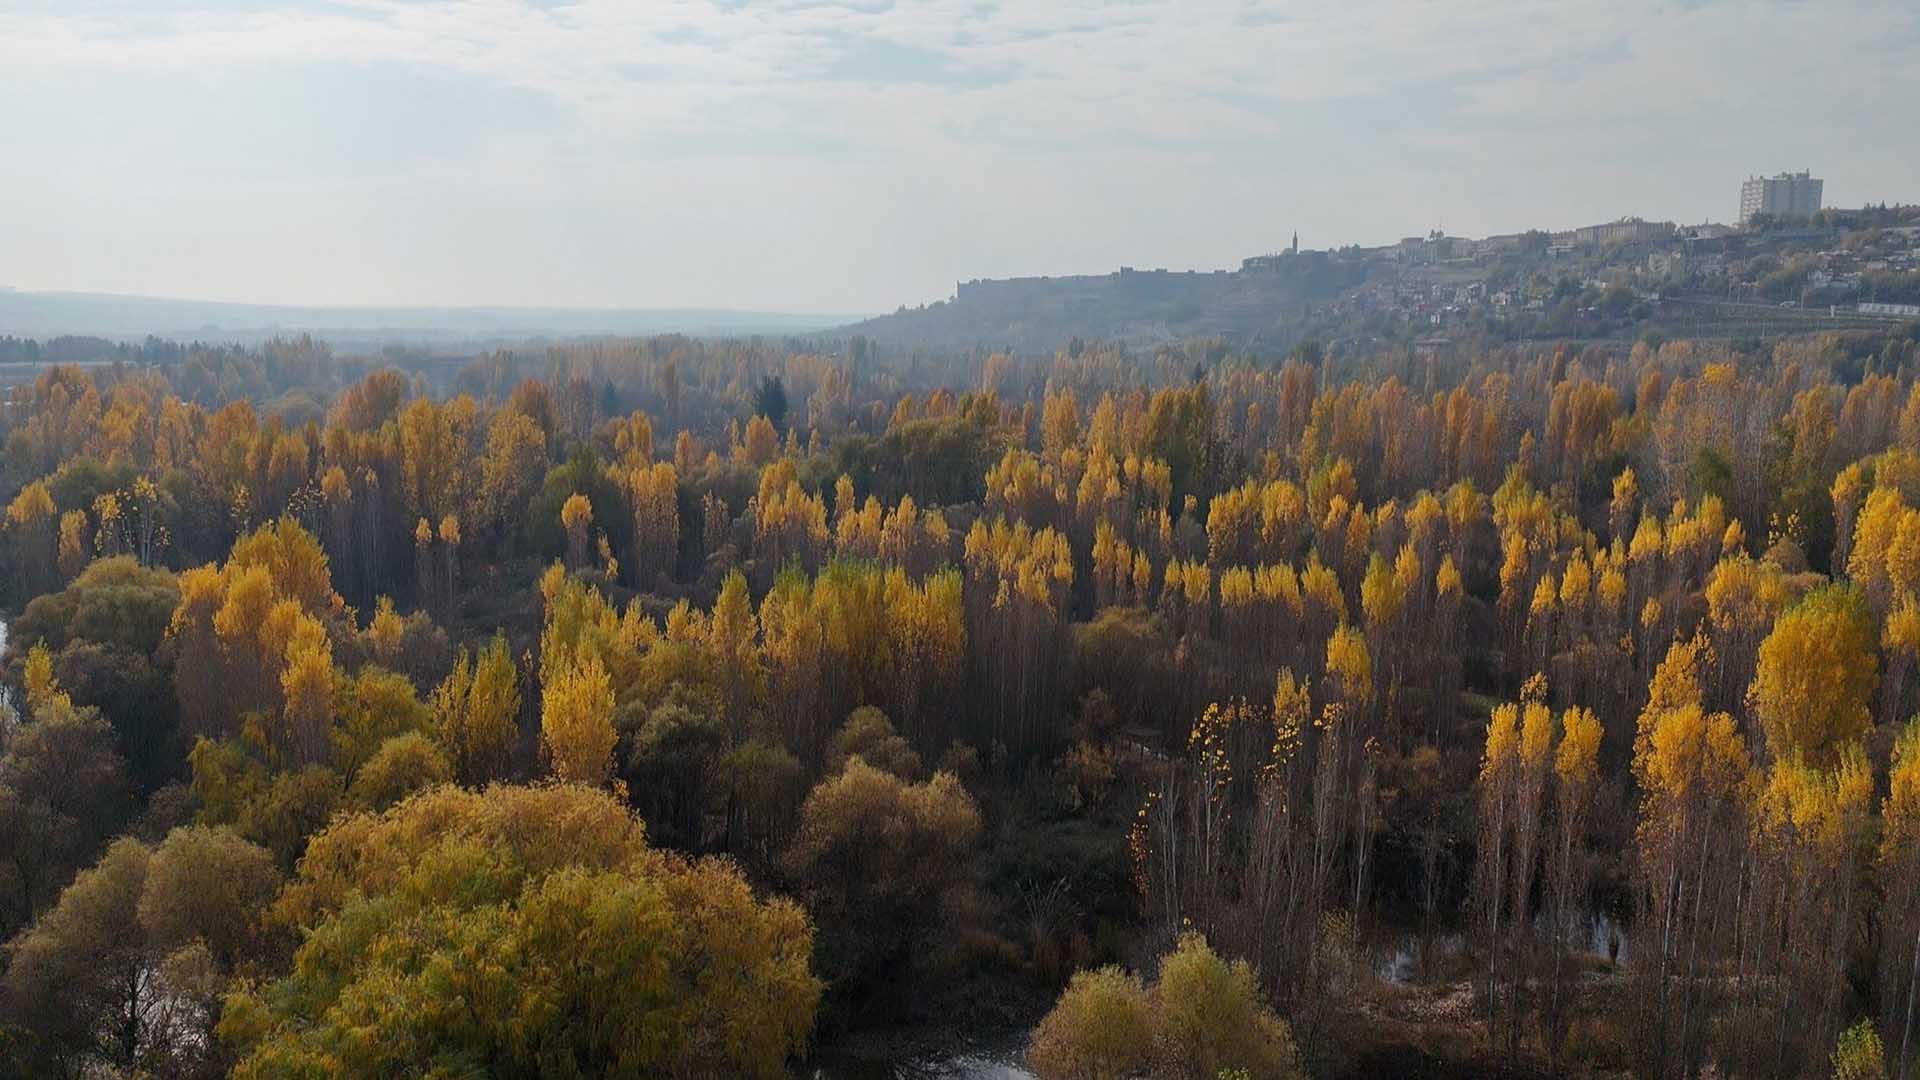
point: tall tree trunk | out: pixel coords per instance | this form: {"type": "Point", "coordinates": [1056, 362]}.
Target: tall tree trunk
{"type": "Point", "coordinates": [1913, 982]}
{"type": "Point", "coordinates": [1497, 891]}
{"type": "Point", "coordinates": [1693, 958]}
{"type": "Point", "coordinates": [1664, 973]}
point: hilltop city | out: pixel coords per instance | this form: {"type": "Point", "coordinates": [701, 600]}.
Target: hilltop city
{"type": "Point", "coordinates": [1786, 265]}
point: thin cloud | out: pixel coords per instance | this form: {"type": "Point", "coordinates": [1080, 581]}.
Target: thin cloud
{"type": "Point", "coordinates": [984, 137]}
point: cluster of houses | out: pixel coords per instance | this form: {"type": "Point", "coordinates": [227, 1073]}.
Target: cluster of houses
{"type": "Point", "coordinates": [1438, 279]}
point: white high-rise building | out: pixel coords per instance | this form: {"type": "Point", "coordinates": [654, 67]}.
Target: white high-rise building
{"type": "Point", "coordinates": [1789, 194]}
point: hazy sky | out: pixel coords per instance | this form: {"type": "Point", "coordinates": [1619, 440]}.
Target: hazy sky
{"type": "Point", "coordinates": [800, 155]}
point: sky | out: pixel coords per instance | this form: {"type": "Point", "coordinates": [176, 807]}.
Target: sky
{"type": "Point", "coordinates": [851, 157]}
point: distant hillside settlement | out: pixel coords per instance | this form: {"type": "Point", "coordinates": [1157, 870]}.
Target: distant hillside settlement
{"type": "Point", "coordinates": [1833, 270]}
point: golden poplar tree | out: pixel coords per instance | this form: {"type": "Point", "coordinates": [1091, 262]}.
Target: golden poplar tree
{"type": "Point", "coordinates": [576, 517]}
{"type": "Point", "coordinates": [1692, 767]}
{"type": "Point", "coordinates": [1817, 672]}
{"type": "Point", "coordinates": [576, 723]}
{"type": "Point", "coordinates": [656, 521]}
{"type": "Point", "coordinates": [1576, 776]}
{"type": "Point", "coordinates": [476, 711]}
{"type": "Point", "coordinates": [1898, 870]}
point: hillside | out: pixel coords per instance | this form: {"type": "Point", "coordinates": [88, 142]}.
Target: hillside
{"type": "Point", "coordinates": [1616, 281]}
{"type": "Point", "coordinates": [1250, 305]}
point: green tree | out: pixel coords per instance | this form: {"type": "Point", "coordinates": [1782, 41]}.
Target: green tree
{"type": "Point", "coordinates": [403, 765]}
{"type": "Point", "coordinates": [672, 764]}
{"type": "Point", "coordinates": [74, 981]}
{"type": "Point", "coordinates": [1858, 1054]}
{"type": "Point", "coordinates": [875, 854]}
{"type": "Point", "coordinates": [523, 932]}
{"type": "Point", "coordinates": [124, 972]}
{"type": "Point", "coordinates": [869, 735]}
{"type": "Point", "coordinates": [770, 401]}
{"type": "Point", "coordinates": [63, 792]}
{"type": "Point", "coordinates": [374, 707]}
{"type": "Point", "coordinates": [208, 885]}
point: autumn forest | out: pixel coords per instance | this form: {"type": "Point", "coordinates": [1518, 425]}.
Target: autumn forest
{"type": "Point", "coordinates": [682, 707]}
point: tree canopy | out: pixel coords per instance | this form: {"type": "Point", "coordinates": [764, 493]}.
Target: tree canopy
{"type": "Point", "coordinates": [571, 946]}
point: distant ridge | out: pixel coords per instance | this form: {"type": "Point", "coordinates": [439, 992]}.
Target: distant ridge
{"type": "Point", "coordinates": [52, 314]}
{"type": "Point", "coordinates": [1256, 303]}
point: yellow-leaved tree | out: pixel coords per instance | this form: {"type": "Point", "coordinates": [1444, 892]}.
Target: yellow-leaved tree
{"type": "Point", "coordinates": [1100, 1029]}
{"type": "Point", "coordinates": [1692, 767]}
{"type": "Point", "coordinates": [242, 625]}
{"type": "Point", "coordinates": [476, 711]}
{"type": "Point", "coordinates": [656, 521]}
{"type": "Point", "coordinates": [306, 685]}
{"type": "Point", "coordinates": [1203, 1019]}
{"type": "Point", "coordinates": [32, 527]}
{"type": "Point", "coordinates": [1515, 768]}
{"type": "Point", "coordinates": [1899, 873]}
{"type": "Point", "coordinates": [576, 517]}
{"type": "Point", "coordinates": [1808, 828]}
{"type": "Point", "coordinates": [1813, 686]}
{"type": "Point", "coordinates": [576, 723]}
{"type": "Point", "coordinates": [1576, 776]}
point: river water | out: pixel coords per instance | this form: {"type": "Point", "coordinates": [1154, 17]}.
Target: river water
{"type": "Point", "coordinates": [1001, 1057]}
{"type": "Point", "coordinates": [1399, 961]}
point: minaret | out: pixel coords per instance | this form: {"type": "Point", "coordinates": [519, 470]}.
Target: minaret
{"type": "Point", "coordinates": [1296, 241]}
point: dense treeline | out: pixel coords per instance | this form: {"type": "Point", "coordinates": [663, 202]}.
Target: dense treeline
{"type": "Point", "coordinates": [83, 350]}
{"type": "Point", "coordinates": [699, 702]}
